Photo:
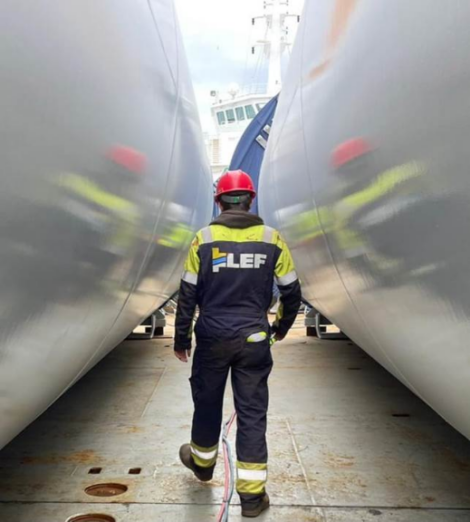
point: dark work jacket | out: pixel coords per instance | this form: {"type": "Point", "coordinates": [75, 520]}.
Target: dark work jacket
{"type": "Point", "coordinates": [229, 274]}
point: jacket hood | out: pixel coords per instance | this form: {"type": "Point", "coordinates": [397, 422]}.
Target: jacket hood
{"type": "Point", "coordinates": [237, 219]}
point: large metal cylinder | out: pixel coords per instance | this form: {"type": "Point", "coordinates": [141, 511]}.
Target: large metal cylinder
{"type": "Point", "coordinates": [104, 180]}
{"type": "Point", "coordinates": [366, 174]}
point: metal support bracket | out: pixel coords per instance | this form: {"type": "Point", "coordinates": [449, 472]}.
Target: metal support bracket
{"type": "Point", "coordinates": [321, 324]}
{"type": "Point", "coordinates": [154, 326]}
{"type": "Point", "coordinates": [317, 326]}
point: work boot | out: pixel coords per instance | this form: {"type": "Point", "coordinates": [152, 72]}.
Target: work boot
{"type": "Point", "coordinates": [253, 507]}
{"type": "Point", "coordinates": [203, 474]}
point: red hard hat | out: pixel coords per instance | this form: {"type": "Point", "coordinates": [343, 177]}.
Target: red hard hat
{"type": "Point", "coordinates": [234, 181]}
{"type": "Point", "coordinates": [129, 158]}
{"type": "Point", "coordinates": [349, 151]}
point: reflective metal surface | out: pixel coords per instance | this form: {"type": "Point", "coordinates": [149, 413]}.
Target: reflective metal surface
{"type": "Point", "coordinates": [366, 173]}
{"type": "Point", "coordinates": [104, 180]}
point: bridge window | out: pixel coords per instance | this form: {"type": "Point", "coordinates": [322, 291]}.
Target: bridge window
{"type": "Point", "coordinates": [250, 112]}
{"type": "Point", "coordinates": [221, 118]}
{"type": "Point", "coordinates": [230, 115]}
{"type": "Point", "coordinates": [240, 113]}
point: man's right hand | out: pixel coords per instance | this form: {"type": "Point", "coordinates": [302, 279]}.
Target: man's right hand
{"type": "Point", "coordinates": [278, 337]}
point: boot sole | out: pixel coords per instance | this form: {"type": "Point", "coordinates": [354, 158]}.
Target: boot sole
{"type": "Point", "coordinates": [254, 514]}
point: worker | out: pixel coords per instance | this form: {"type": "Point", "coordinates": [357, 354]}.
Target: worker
{"type": "Point", "coordinates": [229, 275]}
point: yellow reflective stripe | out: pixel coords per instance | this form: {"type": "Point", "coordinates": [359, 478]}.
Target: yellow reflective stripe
{"type": "Point", "coordinates": [257, 337]}
{"type": "Point", "coordinates": [348, 239]}
{"type": "Point", "coordinates": [251, 234]}
{"type": "Point", "coordinates": [94, 193]}
{"type": "Point", "coordinates": [204, 463]}
{"type": "Point", "coordinates": [285, 263]}
{"type": "Point", "coordinates": [256, 233]}
{"type": "Point", "coordinates": [385, 183]}
{"type": "Point", "coordinates": [203, 449]}
{"type": "Point", "coordinates": [252, 465]}
{"type": "Point", "coordinates": [251, 487]}
{"type": "Point", "coordinates": [193, 263]}
{"type": "Point", "coordinates": [165, 242]}
{"type": "Point", "coordinates": [204, 457]}
{"type": "Point", "coordinates": [251, 477]}
{"type": "Point", "coordinates": [179, 236]}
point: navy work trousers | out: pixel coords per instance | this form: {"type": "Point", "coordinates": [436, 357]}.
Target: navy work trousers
{"type": "Point", "coordinates": [250, 365]}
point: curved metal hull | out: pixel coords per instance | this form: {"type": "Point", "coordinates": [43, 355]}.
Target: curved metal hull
{"type": "Point", "coordinates": [104, 181]}
{"type": "Point", "coordinates": [366, 173]}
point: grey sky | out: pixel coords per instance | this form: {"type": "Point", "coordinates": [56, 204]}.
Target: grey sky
{"type": "Point", "coordinates": [218, 36]}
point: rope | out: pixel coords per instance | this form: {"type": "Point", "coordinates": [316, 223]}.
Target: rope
{"type": "Point", "coordinates": [229, 467]}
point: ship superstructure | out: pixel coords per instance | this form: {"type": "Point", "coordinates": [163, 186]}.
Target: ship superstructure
{"type": "Point", "coordinates": [233, 112]}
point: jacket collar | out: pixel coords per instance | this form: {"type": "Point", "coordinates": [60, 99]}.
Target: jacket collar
{"type": "Point", "coordinates": [237, 219]}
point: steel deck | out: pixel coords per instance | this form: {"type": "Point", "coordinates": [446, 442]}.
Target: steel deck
{"type": "Point", "coordinates": [348, 443]}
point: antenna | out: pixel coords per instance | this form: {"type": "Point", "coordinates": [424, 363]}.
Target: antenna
{"type": "Point", "coordinates": [276, 14]}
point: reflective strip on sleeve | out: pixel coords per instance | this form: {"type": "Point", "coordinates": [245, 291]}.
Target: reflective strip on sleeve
{"type": "Point", "coordinates": [257, 337]}
{"type": "Point", "coordinates": [189, 277]}
{"type": "Point", "coordinates": [206, 234]}
{"type": "Point", "coordinates": [268, 234]}
{"type": "Point", "coordinates": [287, 279]}
{"type": "Point", "coordinates": [258, 475]}
{"type": "Point", "coordinates": [193, 262]}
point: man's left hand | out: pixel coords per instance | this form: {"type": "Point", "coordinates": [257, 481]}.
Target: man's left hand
{"type": "Point", "coordinates": [183, 355]}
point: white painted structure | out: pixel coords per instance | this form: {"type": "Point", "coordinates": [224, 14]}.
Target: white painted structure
{"type": "Point", "coordinates": [233, 114]}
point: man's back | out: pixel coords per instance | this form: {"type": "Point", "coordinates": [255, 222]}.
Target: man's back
{"type": "Point", "coordinates": [234, 263]}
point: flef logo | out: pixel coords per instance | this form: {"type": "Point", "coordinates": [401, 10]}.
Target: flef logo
{"type": "Point", "coordinates": [222, 260]}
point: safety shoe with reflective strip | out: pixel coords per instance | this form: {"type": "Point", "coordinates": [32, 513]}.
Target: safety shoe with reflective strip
{"type": "Point", "coordinates": [203, 474]}
{"type": "Point", "coordinates": [253, 510]}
